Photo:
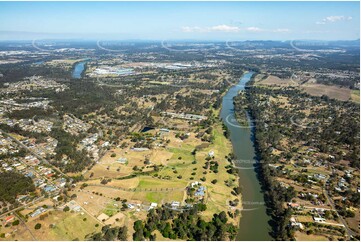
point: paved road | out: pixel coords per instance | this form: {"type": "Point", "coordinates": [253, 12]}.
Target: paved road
{"type": "Point", "coordinates": [33, 153]}
{"type": "Point", "coordinates": [26, 226]}
{"type": "Point", "coordinates": [349, 232]}
{"type": "Point", "coordinates": [23, 206]}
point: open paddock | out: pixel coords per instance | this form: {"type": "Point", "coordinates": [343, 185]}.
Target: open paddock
{"type": "Point", "coordinates": [59, 225]}
{"type": "Point", "coordinates": [335, 92]}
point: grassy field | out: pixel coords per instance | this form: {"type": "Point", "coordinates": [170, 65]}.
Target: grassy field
{"type": "Point", "coordinates": [109, 167]}
{"type": "Point", "coordinates": [66, 226]}
{"type": "Point", "coordinates": [310, 87]}
{"type": "Point", "coordinates": [355, 96]}
{"type": "Point", "coordinates": [303, 236]}
{"type": "Point", "coordinates": [274, 80]}
{"type": "Point", "coordinates": [340, 93]}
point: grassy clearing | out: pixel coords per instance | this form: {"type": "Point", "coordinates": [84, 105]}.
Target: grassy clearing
{"type": "Point", "coordinates": [303, 237]}
{"type": "Point", "coordinates": [154, 183]}
{"type": "Point", "coordinates": [67, 226]}
{"type": "Point", "coordinates": [339, 93]}
{"type": "Point", "coordinates": [355, 96]}
{"type": "Point", "coordinates": [111, 209]}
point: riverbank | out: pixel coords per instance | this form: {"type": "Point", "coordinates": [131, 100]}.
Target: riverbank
{"type": "Point", "coordinates": [254, 222]}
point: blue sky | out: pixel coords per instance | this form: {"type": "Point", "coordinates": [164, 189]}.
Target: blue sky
{"type": "Point", "coordinates": [180, 20]}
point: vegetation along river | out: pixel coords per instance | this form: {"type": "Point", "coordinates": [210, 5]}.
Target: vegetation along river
{"type": "Point", "coordinates": [254, 221]}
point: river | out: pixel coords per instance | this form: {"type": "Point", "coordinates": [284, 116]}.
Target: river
{"type": "Point", "coordinates": [78, 69]}
{"type": "Point", "coordinates": [254, 221]}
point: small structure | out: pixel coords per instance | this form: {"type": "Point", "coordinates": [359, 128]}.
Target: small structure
{"type": "Point", "coordinates": [140, 149]}
{"type": "Point", "coordinates": [122, 160]}
{"type": "Point", "coordinates": [196, 183]}
{"type": "Point", "coordinates": [211, 153]}
{"type": "Point", "coordinates": [319, 219]}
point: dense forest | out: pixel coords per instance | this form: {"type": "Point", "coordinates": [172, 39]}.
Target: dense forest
{"type": "Point", "coordinates": [109, 234]}
{"type": "Point", "coordinates": [184, 225]}
{"type": "Point", "coordinates": [13, 184]}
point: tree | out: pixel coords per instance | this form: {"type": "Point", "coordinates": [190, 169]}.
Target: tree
{"type": "Point", "coordinates": [37, 226]}
{"type": "Point", "coordinates": [16, 222]}
{"type": "Point", "coordinates": [13, 184]}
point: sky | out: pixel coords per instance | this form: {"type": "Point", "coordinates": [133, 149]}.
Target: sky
{"type": "Point", "coordinates": [180, 20]}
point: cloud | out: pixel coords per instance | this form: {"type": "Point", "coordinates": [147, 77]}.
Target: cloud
{"type": "Point", "coordinates": [254, 29]}
{"type": "Point", "coordinates": [258, 30]}
{"type": "Point", "coordinates": [281, 30]}
{"type": "Point", "coordinates": [225, 28]}
{"type": "Point", "coordinates": [216, 28]}
{"type": "Point", "coordinates": [230, 29]}
{"type": "Point", "coordinates": [332, 19]}
{"type": "Point", "coordinates": [191, 29]}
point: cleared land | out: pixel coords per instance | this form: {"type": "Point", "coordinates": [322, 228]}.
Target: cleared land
{"type": "Point", "coordinates": [339, 93]}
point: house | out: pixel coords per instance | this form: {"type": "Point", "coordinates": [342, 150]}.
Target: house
{"type": "Point", "coordinates": [320, 211]}
{"type": "Point", "coordinates": [61, 182]}
{"type": "Point", "coordinates": [21, 198]}
{"type": "Point", "coordinates": [9, 219]}
{"type": "Point", "coordinates": [296, 224]}
{"type": "Point", "coordinates": [319, 219]}
{"type": "Point", "coordinates": [73, 206]}
{"type": "Point", "coordinates": [200, 191]}
{"type": "Point", "coordinates": [38, 212]}
{"type": "Point", "coordinates": [175, 204]}
{"type": "Point", "coordinates": [294, 205]}
{"type": "Point", "coordinates": [152, 206]}
{"type": "Point", "coordinates": [29, 174]}
{"type": "Point", "coordinates": [49, 188]}
{"type": "Point", "coordinates": [319, 176]}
